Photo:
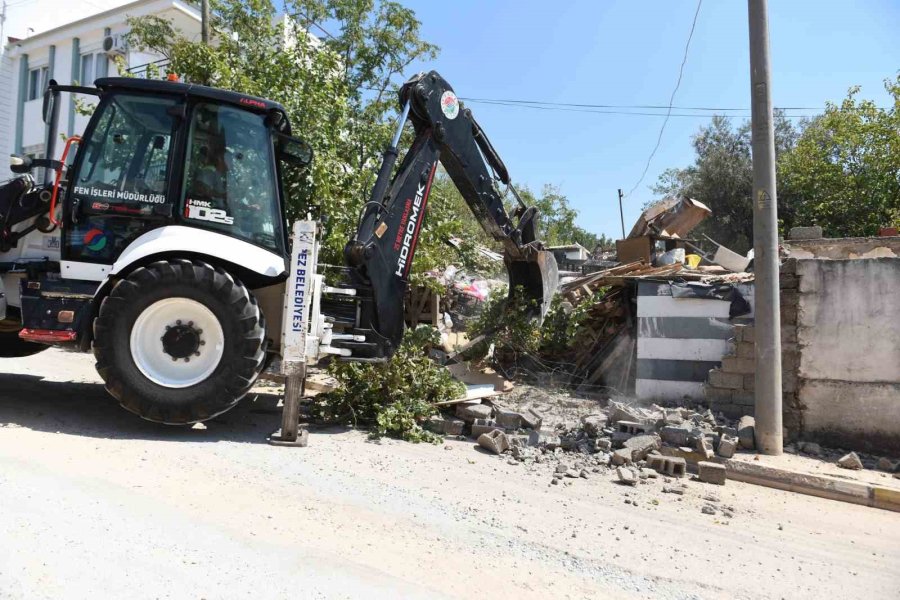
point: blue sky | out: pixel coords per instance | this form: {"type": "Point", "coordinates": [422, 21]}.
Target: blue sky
{"type": "Point", "coordinates": [627, 52]}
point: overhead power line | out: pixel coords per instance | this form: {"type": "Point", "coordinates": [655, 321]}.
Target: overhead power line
{"type": "Point", "coordinates": [643, 106]}
{"type": "Point", "coordinates": [638, 113]}
{"type": "Point", "coordinates": [687, 47]}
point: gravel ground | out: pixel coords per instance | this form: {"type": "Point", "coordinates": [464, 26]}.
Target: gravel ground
{"type": "Point", "coordinates": [97, 503]}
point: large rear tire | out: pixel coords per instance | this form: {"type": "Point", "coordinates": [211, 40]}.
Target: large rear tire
{"type": "Point", "coordinates": [12, 346]}
{"type": "Point", "coordinates": [179, 341]}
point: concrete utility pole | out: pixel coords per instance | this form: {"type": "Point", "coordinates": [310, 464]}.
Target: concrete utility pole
{"type": "Point", "coordinates": [621, 214]}
{"type": "Point", "coordinates": [765, 238]}
{"type": "Point", "coordinates": [204, 21]}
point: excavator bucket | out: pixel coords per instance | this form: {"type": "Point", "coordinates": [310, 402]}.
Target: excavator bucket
{"type": "Point", "coordinates": [536, 277]}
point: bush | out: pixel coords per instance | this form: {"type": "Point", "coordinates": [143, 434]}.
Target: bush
{"type": "Point", "coordinates": [394, 398]}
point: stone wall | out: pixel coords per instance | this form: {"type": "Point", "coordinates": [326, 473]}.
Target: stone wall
{"type": "Point", "coordinates": [840, 338]}
{"type": "Point", "coordinates": [849, 333]}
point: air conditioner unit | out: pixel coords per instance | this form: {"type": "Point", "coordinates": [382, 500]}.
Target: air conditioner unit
{"type": "Point", "coordinates": [115, 45]}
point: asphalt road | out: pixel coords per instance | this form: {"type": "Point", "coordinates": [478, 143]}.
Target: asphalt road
{"type": "Point", "coordinates": [95, 503]}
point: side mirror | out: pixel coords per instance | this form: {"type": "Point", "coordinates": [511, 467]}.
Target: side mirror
{"type": "Point", "coordinates": [50, 97]}
{"type": "Point", "coordinates": [293, 150]}
{"type": "Point", "coordinates": [19, 164]}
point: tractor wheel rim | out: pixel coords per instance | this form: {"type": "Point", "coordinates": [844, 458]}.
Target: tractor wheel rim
{"type": "Point", "coordinates": [149, 352]}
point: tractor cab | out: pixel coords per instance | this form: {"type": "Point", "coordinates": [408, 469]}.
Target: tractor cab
{"type": "Point", "coordinates": [158, 154]}
{"type": "Point", "coordinates": [163, 169]}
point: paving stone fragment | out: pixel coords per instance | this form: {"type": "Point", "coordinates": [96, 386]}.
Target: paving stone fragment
{"type": "Point", "coordinates": [710, 472]}
{"type": "Point", "coordinates": [626, 476]}
{"type": "Point", "coordinates": [850, 461]}
{"type": "Point", "coordinates": [495, 441]}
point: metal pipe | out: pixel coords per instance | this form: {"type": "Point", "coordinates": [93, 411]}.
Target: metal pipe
{"type": "Point", "coordinates": [765, 239]}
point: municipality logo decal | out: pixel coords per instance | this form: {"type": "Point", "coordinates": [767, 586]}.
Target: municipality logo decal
{"type": "Point", "coordinates": [95, 240]}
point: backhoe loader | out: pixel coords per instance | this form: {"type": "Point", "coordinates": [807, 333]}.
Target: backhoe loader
{"type": "Point", "coordinates": [158, 241]}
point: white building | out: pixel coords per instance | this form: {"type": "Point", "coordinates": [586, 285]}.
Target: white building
{"type": "Point", "coordinates": [71, 51]}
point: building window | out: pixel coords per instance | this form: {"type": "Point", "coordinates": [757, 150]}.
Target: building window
{"type": "Point", "coordinates": [92, 67]}
{"type": "Point", "coordinates": [87, 69]}
{"type": "Point", "coordinates": [37, 82]}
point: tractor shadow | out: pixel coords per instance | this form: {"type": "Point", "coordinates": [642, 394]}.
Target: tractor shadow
{"type": "Point", "coordinates": [85, 409]}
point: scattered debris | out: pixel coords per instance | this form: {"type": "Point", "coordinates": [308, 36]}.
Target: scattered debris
{"type": "Point", "coordinates": [626, 476]}
{"type": "Point", "coordinates": [850, 461]}
{"type": "Point", "coordinates": [710, 472]}
{"type": "Point", "coordinates": [495, 441]}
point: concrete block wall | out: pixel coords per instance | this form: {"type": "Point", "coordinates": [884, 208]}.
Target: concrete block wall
{"type": "Point", "coordinates": [729, 388]}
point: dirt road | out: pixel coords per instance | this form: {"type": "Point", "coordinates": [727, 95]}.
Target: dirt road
{"type": "Point", "coordinates": [95, 503]}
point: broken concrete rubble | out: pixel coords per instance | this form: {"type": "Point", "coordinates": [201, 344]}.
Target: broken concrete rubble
{"type": "Point", "coordinates": [850, 461]}
{"type": "Point", "coordinates": [470, 412]}
{"type": "Point", "coordinates": [641, 445]}
{"type": "Point", "coordinates": [710, 472]}
{"type": "Point", "coordinates": [495, 441]}
{"type": "Point", "coordinates": [746, 428]}
{"type": "Point", "coordinates": [727, 446]}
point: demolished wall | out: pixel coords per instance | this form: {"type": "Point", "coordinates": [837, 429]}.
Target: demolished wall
{"type": "Point", "coordinates": [680, 340]}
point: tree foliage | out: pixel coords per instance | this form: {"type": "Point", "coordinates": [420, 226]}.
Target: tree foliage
{"type": "Point", "coordinates": [844, 171]}
{"type": "Point", "coordinates": [838, 170]}
{"type": "Point", "coordinates": [393, 399]}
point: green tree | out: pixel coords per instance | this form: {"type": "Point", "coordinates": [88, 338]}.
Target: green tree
{"type": "Point", "coordinates": [844, 172]}
{"type": "Point", "coordinates": [722, 178]}
{"type": "Point", "coordinates": [339, 88]}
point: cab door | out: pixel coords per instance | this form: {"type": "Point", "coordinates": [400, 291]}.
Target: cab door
{"type": "Point", "coordinates": [122, 184]}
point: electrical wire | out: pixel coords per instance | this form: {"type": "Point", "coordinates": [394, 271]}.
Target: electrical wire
{"type": "Point", "coordinates": [662, 129]}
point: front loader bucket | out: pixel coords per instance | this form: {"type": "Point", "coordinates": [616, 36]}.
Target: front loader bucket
{"type": "Point", "coordinates": [537, 277]}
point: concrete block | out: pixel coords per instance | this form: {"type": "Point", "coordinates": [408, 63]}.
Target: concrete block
{"type": "Point", "coordinates": [790, 298]}
{"type": "Point", "coordinates": [747, 432]}
{"type": "Point", "coordinates": [688, 454]}
{"type": "Point", "coordinates": [470, 412]}
{"type": "Point", "coordinates": [749, 382]}
{"type": "Point", "coordinates": [735, 365]}
{"type": "Point", "coordinates": [508, 419]}
{"type": "Point", "coordinates": [749, 334]}
{"type": "Point", "coordinates": [813, 232]}
{"type": "Point", "coordinates": [675, 436]}
{"type": "Point", "coordinates": [710, 472]}
{"type": "Point", "coordinates": [746, 350]}
{"type": "Point", "coordinates": [745, 398]}
{"type": "Point", "coordinates": [727, 446]}
{"type": "Point", "coordinates": [626, 476]}
{"type": "Point", "coordinates": [668, 465]}
{"type": "Point", "coordinates": [633, 427]}
{"type": "Point", "coordinates": [788, 281]}
{"type": "Point", "coordinates": [594, 424]}
{"type": "Point", "coordinates": [642, 445]}
{"type": "Point", "coordinates": [445, 425]}
{"type": "Point", "coordinates": [618, 438]}
{"type": "Point", "coordinates": [717, 394]}
{"type": "Point", "coordinates": [495, 441]}
{"type": "Point", "coordinates": [531, 419]}
{"type": "Point", "coordinates": [704, 446]}
{"type": "Point", "coordinates": [622, 456]}
{"type": "Point", "coordinates": [789, 334]}
{"type": "Point", "coordinates": [621, 412]}
{"type": "Point", "coordinates": [546, 439]}
{"type": "Point", "coordinates": [720, 379]}
{"type": "Point", "coordinates": [739, 332]}
{"type": "Point", "coordinates": [480, 426]}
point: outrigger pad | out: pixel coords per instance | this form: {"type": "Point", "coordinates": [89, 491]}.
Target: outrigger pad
{"type": "Point", "coordinates": [538, 279]}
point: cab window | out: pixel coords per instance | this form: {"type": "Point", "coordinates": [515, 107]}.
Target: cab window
{"type": "Point", "coordinates": [229, 178]}
{"type": "Point", "coordinates": [127, 154]}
